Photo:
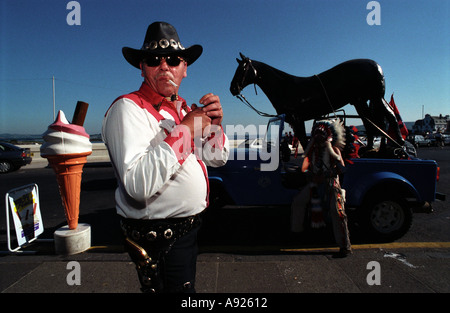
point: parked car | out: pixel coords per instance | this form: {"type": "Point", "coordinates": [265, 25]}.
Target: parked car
{"type": "Point", "coordinates": [420, 141]}
{"type": "Point", "coordinates": [446, 139]}
{"type": "Point", "coordinates": [376, 141]}
{"type": "Point", "coordinates": [441, 140]}
{"type": "Point", "coordinates": [12, 157]}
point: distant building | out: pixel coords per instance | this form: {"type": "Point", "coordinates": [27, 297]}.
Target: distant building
{"type": "Point", "coordinates": [431, 124]}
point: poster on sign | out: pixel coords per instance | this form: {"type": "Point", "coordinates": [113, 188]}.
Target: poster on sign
{"type": "Point", "coordinates": [24, 206]}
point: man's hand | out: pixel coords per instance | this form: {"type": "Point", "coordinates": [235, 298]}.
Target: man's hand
{"type": "Point", "coordinates": [196, 121]}
{"type": "Point", "coordinates": [212, 108]}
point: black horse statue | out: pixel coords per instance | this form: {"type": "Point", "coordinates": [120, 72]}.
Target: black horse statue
{"type": "Point", "coordinates": [305, 98]}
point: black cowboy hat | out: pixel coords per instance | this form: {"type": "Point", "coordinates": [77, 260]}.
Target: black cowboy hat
{"type": "Point", "coordinates": [161, 39]}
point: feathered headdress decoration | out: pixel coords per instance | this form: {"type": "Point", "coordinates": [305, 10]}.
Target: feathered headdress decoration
{"type": "Point", "coordinates": [325, 136]}
{"type": "Point", "coordinates": [332, 129]}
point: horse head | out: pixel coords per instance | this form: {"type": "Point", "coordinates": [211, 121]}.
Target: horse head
{"type": "Point", "coordinates": [245, 75]}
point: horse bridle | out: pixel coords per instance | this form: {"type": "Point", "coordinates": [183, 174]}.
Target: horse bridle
{"type": "Point", "coordinates": [247, 65]}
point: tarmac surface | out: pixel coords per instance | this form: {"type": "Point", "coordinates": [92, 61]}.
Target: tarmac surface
{"type": "Point", "coordinates": [422, 269]}
{"type": "Point", "coordinates": [249, 268]}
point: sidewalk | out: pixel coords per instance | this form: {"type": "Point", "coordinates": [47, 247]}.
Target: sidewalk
{"type": "Point", "coordinates": [103, 270]}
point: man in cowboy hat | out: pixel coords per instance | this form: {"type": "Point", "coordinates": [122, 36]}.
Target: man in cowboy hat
{"type": "Point", "coordinates": [159, 148]}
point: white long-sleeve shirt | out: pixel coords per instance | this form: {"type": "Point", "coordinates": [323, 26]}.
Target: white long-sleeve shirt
{"type": "Point", "coordinates": [160, 173]}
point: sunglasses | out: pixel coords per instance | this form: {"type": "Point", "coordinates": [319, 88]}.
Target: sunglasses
{"type": "Point", "coordinates": [156, 60]}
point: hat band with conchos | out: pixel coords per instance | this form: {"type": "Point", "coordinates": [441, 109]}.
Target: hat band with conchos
{"type": "Point", "coordinates": [163, 44]}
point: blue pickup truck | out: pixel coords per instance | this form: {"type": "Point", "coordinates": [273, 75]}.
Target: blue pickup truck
{"type": "Point", "coordinates": [381, 194]}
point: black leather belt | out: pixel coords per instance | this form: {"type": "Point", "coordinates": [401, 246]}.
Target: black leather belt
{"type": "Point", "coordinates": [161, 229]}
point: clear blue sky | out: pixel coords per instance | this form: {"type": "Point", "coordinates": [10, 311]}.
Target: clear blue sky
{"type": "Point", "coordinates": [300, 37]}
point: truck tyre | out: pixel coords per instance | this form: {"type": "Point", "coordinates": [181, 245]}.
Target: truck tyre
{"type": "Point", "coordinates": [386, 218]}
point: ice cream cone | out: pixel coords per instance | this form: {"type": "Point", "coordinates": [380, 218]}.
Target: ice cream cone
{"type": "Point", "coordinates": [69, 169]}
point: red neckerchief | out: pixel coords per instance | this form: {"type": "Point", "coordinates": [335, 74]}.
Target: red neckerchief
{"type": "Point", "coordinates": [158, 101]}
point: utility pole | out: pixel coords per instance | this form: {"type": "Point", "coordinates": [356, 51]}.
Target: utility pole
{"type": "Point", "coordinates": [53, 83]}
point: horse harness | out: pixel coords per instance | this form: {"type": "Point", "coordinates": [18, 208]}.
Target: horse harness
{"type": "Point", "coordinates": [247, 65]}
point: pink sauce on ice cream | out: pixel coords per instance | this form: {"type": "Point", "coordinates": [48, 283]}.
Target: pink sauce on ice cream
{"type": "Point", "coordinates": [59, 125]}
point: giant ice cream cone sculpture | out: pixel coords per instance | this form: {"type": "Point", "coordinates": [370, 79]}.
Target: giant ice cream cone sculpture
{"type": "Point", "coordinates": [66, 147]}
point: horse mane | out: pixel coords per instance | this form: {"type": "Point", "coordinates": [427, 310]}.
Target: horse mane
{"type": "Point", "coordinates": [280, 77]}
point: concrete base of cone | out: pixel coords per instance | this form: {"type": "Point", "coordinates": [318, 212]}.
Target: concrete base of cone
{"type": "Point", "coordinates": [72, 241]}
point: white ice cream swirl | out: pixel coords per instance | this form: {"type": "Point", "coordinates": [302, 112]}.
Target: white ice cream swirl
{"type": "Point", "coordinates": [62, 137]}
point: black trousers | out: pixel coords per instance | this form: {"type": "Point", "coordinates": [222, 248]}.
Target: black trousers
{"type": "Point", "coordinates": [179, 265]}
{"type": "Point", "coordinates": [164, 268]}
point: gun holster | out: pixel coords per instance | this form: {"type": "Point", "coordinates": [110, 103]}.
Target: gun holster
{"type": "Point", "coordinates": [148, 268]}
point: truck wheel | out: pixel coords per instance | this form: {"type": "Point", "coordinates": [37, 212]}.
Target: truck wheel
{"type": "Point", "coordinates": [386, 219]}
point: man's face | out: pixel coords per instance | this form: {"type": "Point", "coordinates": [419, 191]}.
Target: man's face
{"type": "Point", "coordinates": [157, 77]}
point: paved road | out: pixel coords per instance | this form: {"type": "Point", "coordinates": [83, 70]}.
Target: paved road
{"type": "Point", "coordinates": [241, 249]}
